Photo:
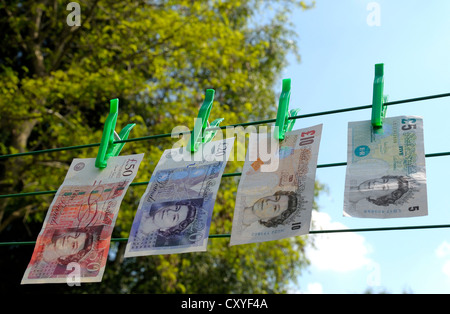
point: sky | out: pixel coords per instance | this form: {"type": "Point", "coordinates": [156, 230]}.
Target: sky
{"type": "Point", "coordinates": [340, 42]}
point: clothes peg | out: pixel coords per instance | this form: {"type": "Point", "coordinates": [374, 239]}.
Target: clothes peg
{"type": "Point", "coordinates": [199, 135]}
{"type": "Point", "coordinates": [107, 146]}
{"type": "Point", "coordinates": [378, 99]}
{"type": "Point", "coordinates": [283, 124]}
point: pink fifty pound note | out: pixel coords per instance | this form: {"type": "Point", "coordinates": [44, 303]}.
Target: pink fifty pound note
{"type": "Point", "coordinates": [73, 244]}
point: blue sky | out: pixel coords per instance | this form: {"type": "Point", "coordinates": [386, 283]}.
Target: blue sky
{"type": "Point", "coordinates": [339, 50]}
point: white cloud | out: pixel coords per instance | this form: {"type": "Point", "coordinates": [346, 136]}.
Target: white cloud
{"type": "Point", "coordinates": [314, 288]}
{"type": "Point", "coordinates": [443, 251]}
{"type": "Point", "coordinates": [311, 288]}
{"type": "Point", "coordinates": [340, 252]}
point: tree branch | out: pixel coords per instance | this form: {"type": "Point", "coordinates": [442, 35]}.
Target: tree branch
{"type": "Point", "coordinates": [68, 35]}
{"type": "Point", "coordinates": [20, 39]}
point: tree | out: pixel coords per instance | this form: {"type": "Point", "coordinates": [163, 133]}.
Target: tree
{"type": "Point", "coordinates": [157, 57]}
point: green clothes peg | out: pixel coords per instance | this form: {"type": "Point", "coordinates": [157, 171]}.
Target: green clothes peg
{"type": "Point", "coordinates": [283, 124]}
{"type": "Point", "coordinates": [199, 135]}
{"type": "Point", "coordinates": [107, 146]}
{"type": "Point", "coordinates": [378, 99]}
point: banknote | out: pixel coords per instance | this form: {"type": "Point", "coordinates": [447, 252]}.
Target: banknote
{"type": "Point", "coordinates": [76, 232]}
{"type": "Point", "coordinates": [174, 214]}
{"type": "Point", "coordinates": [385, 176]}
{"type": "Point", "coordinates": [276, 202]}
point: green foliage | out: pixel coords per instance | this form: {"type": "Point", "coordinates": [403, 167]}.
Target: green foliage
{"type": "Point", "coordinates": [158, 57]}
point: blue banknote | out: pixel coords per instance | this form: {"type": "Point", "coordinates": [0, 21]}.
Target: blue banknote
{"type": "Point", "coordinates": [174, 214]}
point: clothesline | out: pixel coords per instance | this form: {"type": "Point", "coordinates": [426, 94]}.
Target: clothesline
{"type": "Point", "coordinates": [149, 137]}
{"type": "Point", "coordinates": [234, 174]}
{"type": "Point", "coordinates": [438, 154]}
{"type": "Point", "coordinates": [227, 235]}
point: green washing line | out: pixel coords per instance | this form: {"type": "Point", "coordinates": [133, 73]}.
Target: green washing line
{"type": "Point", "coordinates": [234, 174]}
{"type": "Point", "coordinates": [232, 125]}
{"type": "Point", "coordinates": [237, 173]}
{"type": "Point", "coordinates": [227, 235]}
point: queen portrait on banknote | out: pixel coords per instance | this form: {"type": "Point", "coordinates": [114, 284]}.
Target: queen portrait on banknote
{"type": "Point", "coordinates": [70, 245]}
{"type": "Point", "coordinates": [269, 211]}
{"type": "Point", "coordinates": [383, 196]}
{"type": "Point", "coordinates": [168, 218]}
{"type": "Point", "coordinates": [383, 191]}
